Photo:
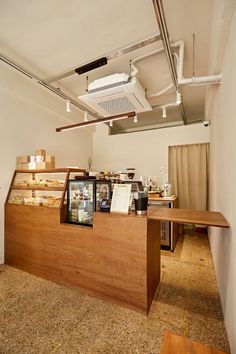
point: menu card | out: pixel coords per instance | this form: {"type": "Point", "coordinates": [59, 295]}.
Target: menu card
{"type": "Point", "coordinates": [121, 198]}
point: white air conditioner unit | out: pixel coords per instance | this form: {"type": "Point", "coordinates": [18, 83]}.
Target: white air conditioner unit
{"type": "Point", "coordinates": [115, 94]}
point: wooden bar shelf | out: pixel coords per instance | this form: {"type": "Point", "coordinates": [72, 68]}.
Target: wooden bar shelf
{"type": "Point", "coordinates": [38, 187]}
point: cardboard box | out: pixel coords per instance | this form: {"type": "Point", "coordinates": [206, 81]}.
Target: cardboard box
{"type": "Point", "coordinates": [25, 166]}
{"type": "Point", "coordinates": [19, 166]}
{"type": "Point", "coordinates": [32, 165]}
{"type": "Point", "coordinates": [50, 158]}
{"type": "Point", "coordinates": [41, 152]}
{"type": "Point", "coordinates": [22, 159]}
{"type": "Point", "coordinates": [44, 165]}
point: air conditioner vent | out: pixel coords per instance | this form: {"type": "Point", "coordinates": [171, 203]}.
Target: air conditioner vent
{"type": "Point", "coordinates": [120, 98]}
{"type": "Point", "coordinates": [117, 105]}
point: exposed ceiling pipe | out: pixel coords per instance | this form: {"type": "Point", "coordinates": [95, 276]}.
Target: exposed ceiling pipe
{"type": "Point", "coordinates": [160, 16]}
{"type": "Point", "coordinates": [159, 12]}
{"type": "Point", "coordinates": [166, 105]}
{"type": "Point", "coordinates": [134, 71]}
{"type": "Point", "coordinates": [194, 80]}
{"type": "Point", "coordinates": [159, 93]}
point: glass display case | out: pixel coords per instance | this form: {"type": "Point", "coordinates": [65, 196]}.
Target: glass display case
{"type": "Point", "coordinates": [81, 200]}
{"type": "Point", "coordinates": [40, 187]}
{"type": "Point", "coordinates": [103, 192]}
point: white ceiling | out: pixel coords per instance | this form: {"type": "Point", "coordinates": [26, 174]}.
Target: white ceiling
{"type": "Point", "coordinates": [54, 36]}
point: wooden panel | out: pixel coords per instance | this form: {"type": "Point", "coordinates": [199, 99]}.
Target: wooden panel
{"type": "Point", "coordinates": [175, 227]}
{"type": "Point", "coordinates": [174, 344]}
{"type": "Point", "coordinates": [188, 216]}
{"type": "Point", "coordinates": [153, 196]}
{"type": "Point", "coordinates": [153, 259]}
{"type": "Point", "coordinates": [52, 170]}
{"type": "Point", "coordinates": [108, 260]}
{"type": "Point", "coordinates": [38, 188]}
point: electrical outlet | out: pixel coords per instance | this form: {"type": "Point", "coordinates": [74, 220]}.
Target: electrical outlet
{"type": "Point", "coordinates": [162, 170]}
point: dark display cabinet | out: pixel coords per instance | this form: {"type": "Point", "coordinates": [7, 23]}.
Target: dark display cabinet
{"type": "Point", "coordinates": [81, 201]}
{"type": "Point", "coordinates": [84, 196]}
{"type": "Point", "coordinates": [103, 192]}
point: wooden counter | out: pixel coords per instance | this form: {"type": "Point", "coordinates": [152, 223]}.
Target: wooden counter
{"type": "Point", "coordinates": [156, 197]}
{"type": "Point", "coordinates": [117, 260]}
{"type": "Point", "coordinates": [188, 216]}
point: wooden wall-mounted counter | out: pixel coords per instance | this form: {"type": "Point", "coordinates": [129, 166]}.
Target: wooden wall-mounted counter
{"type": "Point", "coordinates": [189, 216]}
{"type": "Point", "coordinates": [118, 259]}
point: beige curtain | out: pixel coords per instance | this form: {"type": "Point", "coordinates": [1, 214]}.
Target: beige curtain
{"type": "Point", "coordinates": [188, 175]}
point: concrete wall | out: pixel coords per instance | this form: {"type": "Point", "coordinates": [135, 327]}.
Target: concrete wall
{"type": "Point", "coordinates": [29, 116]}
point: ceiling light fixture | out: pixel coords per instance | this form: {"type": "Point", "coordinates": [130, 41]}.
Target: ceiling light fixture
{"type": "Point", "coordinates": [135, 118]}
{"type": "Point", "coordinates": [68, 107]}
{"type": "Point", "coordinates": [85, 116]}
{"type": "Point", "coordinates": [178, 97]}
{"type": "Point", "coordinates": [97, 121]}
{"type": "Point", "coordinates": [164, 112]}
{"type": "Point", "coordinates": [111, 123]}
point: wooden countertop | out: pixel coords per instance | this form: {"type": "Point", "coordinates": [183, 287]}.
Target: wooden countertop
{"type": "Point", "coordinates": [189, 216]}
{"type": "Point", "coordinates": [154, 196]}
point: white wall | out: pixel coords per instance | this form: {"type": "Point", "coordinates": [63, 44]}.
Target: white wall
{"type": "Point", "coordinates": [29, 115]}
{"type": "Point", "coordinates": [146, 151]}
{"type": "Point", "coordinates": [221, 111]}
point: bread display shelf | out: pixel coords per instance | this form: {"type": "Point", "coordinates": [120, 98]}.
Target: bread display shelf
{"type": "Point", "coordinates": [41, 188]}
{"type": "Point", "coordinates": [38, 187]}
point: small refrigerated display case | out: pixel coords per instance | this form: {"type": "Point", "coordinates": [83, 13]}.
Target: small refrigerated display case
{"type": "Point", "coordinates": [81, 201]}
{"type": "Point", "coordinates": [103, 193]}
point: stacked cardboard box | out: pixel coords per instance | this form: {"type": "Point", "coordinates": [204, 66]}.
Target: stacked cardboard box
{"type": "Point", "coordinates": [41, 160]}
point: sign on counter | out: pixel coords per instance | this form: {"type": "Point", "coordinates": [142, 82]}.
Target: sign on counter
{"type": "Point", "coordinates": [121, 198]}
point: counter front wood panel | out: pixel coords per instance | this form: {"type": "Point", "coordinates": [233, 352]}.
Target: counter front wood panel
{"type": "Point", "coordinates": [189, 216]}
{"type": "Point", "coordinates": [118, 259]}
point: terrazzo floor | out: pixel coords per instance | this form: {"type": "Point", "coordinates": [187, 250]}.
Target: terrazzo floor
{"type": "Point", "coordinates": [38, 316]}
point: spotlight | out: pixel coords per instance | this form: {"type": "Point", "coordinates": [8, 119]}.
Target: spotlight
{"type": "Point", "coordinates": [111, 123]}
{"type": "Point", "coordinates": [164, 112]}
{"type": "Point", "coordinates": [68, 108]}
{"type": "Point", "coordinates": [85, 116]}
{"type": "Point", "coordinates": [178, 97]}
{"type": "Point", "coordinates": [135, 119]}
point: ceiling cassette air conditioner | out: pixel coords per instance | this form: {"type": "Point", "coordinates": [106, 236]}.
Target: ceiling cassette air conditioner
{"type": "Point", "coordinates": [115, 94]}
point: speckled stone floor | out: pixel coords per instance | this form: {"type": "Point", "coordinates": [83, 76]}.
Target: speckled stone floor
{"type": "Point", "coordinates": [37, 316]}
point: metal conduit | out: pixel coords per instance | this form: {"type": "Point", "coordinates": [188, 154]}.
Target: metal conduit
{"type": "Point", "coordinates": [31, 75]}
{"type": "Point", "coordinates": [160, 16]}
